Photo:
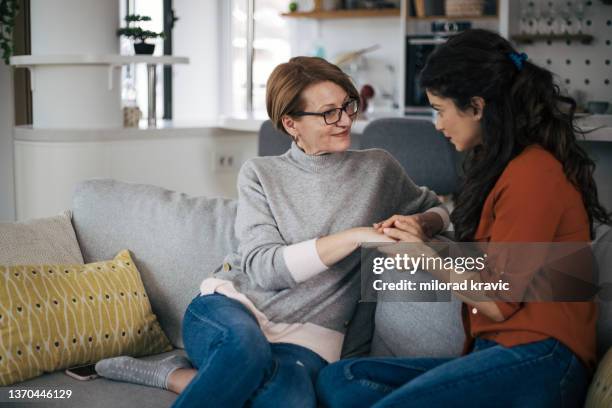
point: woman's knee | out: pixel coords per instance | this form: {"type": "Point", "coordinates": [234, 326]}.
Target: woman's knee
{"type": "Point", "coordinates": [219, 325]}
{"type": "Point", "coordinates": [247, 344]}
{"type": "Point", "coordinates": [331, 382]}
{"type": "Point", "coordinates": [350, 383]}
{"type": "Point", "coordinates": [289, 384]}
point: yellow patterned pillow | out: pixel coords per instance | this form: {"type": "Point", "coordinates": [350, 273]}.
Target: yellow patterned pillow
{"type": "Point", "coordinates": [58, 316]}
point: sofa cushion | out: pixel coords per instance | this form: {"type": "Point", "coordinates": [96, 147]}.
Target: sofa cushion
{"type": "Point", "coordinates": [42, 240]}
{"type": "Point", "coordinates": [418, 329]}
{"type": "Point", "coordinates": [176, 240]}
{"type": "Point", "coordinates": [422, 324]}
{"type": "Point", "coordinates": [97, 393]}
{"type": "Point", "coordinates": [60, 316]}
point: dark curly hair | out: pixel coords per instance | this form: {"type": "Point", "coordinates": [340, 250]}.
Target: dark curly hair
{"type": "Point", "coordinates": [522, 107]}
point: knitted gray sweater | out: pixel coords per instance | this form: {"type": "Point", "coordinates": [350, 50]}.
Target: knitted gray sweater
{"type": "Point", "coordinates": [296, 197]}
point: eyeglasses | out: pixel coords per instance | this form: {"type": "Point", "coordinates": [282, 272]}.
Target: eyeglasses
{"type": "Point", "coordinates": [333, 116]}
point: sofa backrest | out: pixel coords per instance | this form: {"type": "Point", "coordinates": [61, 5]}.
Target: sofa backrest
{"type": "Point", "coordinates": [426, 155]}
{"type": "Point", "coordinates": [176, 240]}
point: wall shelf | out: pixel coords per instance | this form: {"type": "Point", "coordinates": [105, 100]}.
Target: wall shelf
{"type": "Point", "coordinates": [353, 13]}
{"type": "Point", "coordinates": [455, 18]}
{"type": "Point", "coordinates": [367, 13]}
{"type": "Point", "coordinates": [93, 59]}
{"type": "Point", "coordinates": [531, 38]}
{"type": "Point", "coordinates": [35, 63]}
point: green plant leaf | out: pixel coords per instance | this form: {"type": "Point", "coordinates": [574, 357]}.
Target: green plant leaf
{"type": "Point", "coordinates": [137, 17]}
{"type": "Point", "coordinates": [8, 11]}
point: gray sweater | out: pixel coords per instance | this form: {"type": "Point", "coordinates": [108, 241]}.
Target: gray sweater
{"type": "Point", "coordinates": [296, 197]}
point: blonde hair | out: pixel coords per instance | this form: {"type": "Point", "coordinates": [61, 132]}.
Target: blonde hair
{"type": "Point", "coordinates": [288, 81]}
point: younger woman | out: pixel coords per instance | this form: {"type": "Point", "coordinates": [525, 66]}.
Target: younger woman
{"type": "Point", "coordinates": [526, 180]}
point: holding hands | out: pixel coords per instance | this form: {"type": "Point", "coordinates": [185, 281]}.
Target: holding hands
{"type": "Point", "coordinates": [411, 228]}
{"type": "Point", "coordinates": [398, 228]}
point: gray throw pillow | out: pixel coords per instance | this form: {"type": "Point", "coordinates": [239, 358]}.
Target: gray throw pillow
{"type": "Point", "coordinates": [48, 240]}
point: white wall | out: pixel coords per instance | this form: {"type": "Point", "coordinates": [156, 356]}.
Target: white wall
{"type": "Point", "coordinates": [49, 163]}
{"type": "Point", "coordinates": [346, 35]}
{"type": "Point", "coordinates": [7, 190]}
{"type": "Point", "coordinates": [196, 85]}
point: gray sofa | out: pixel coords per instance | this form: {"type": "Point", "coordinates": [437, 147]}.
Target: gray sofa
{"type": "Point", "coordinates": [177, 240]}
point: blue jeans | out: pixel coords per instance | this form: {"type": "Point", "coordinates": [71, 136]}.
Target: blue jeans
{"type": "Point", "coordinates": [236, 363]}
{"type": "Point", "coordinates": [538, 374]}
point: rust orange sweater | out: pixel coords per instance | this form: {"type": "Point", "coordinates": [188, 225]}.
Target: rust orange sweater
{"type": "Point", "coordinates": [533, 201]}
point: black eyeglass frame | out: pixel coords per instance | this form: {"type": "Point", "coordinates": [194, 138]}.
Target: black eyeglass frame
{"type": "Point", "coordinates": [342, 109]}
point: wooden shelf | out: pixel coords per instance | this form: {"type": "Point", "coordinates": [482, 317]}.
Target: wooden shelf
{"type": "Point", "coordinates": [454, 18]}
{"type": "Point", "coordinates": [357, 13]}
{"type": "Point", "coordinates": [531, 38]}
{"type": "Point", "coordinates": [367, 13]}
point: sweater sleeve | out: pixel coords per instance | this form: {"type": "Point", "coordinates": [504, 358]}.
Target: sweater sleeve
{"type": "Point", "coordinates": [261, 244]}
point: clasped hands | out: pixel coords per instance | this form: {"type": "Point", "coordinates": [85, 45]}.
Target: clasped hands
{"type": "Point", "coordinates": [404, 228]}
{"type": "Point", "coordinates": [398, 229]}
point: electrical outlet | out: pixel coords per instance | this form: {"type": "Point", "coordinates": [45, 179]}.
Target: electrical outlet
{"type": "Point", "coordinates": [225, 161]}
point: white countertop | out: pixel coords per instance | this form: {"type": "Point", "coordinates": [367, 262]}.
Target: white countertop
{"type": "Point", "coordinates": [599, 128]}
{"type": "Point", "coordinates": [163, 129]}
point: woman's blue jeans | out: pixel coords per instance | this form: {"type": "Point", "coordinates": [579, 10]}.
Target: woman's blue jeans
{"type": "Point", "coordinates": [236, 363]}
{"type": "Point", "coordinates": [538, 374]}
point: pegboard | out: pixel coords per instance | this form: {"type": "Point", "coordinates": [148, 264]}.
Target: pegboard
{"type": "Point", "coordinates": [583, 71]}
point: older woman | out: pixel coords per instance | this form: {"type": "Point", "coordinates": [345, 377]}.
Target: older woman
{"type": "Point", "coordinates": [275, 313]}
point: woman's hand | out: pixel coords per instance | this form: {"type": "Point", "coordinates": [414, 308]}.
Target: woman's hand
{"type": "Point", "coordinates": [404, 228]}
{"type": "Point", "coordinates": [334, 247]}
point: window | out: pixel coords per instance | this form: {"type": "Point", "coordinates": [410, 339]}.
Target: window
{"type": "Point", "coordinates": [270, 47]}
{"type": "Point", "coordinates": [134, 76]}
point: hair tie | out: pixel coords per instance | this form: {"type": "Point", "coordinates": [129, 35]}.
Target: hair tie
{"type": "Point", "coordinates": [518, 59]}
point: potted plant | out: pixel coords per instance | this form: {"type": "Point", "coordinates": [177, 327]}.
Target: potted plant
{"type": "Point", "coordinates": [139, 35]}
{"type": "Point", "coordinates": [8, 11]}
